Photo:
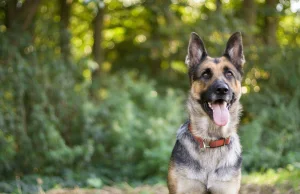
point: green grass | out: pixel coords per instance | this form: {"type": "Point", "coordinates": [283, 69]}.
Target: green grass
{"type": "Point", "coordinates": [282, 177]}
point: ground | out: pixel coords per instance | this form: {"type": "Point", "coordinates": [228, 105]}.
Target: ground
{"type": "Point", "coordinates": [161, 189]}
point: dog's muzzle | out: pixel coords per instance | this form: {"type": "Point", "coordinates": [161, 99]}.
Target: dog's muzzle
{"type": "Point", "coordinates": [216, 102]}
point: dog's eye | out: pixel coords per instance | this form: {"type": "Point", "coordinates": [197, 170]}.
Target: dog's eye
{"type": "Point", "coordinates": [206, 75]}
{"type": "Point", "coordinates": [229, 74]}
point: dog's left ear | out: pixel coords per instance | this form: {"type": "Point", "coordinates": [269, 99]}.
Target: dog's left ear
{"type": "Point", "coordinates": [234, 50]}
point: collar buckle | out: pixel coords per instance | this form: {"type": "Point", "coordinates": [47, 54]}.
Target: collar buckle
{"type": "Point", "coordinates": [204, 146]}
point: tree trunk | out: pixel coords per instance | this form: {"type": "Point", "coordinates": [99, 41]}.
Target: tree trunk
{"type": "Point", "coordinates": [155, 36]}
{"type": "Point", "coordinates": [219, 7]}
{"type": "Point", "coordinates": [249, 15]}
{"type": "Point", "coordinates": [98, 52]}
{"type": "Point", "coordinates": [19, 21]}
{"type": "Point", "coordinates": [20, 17]}
{"type": "Point", "coordinates": [65, 8]}
{"type": "Point", "coordinates": [10, 12]}
{"type": "Point", "coordinates": [271, 22]}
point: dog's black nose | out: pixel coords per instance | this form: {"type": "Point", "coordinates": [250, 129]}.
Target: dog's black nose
{"type": "Point", "coordinates": [222, 88]}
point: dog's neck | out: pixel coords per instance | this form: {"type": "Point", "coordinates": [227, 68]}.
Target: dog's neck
{"type": "Point", "coordinates": [204, 127]}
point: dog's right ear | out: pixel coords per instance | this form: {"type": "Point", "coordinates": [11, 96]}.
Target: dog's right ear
{"type": "Point", "coordinates": [196, 51]}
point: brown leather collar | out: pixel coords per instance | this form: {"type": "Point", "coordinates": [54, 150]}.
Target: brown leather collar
{"type": "Point", "coordinates": [212, 144]}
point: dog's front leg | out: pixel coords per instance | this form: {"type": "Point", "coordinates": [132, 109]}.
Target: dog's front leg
{"type": "Point", "coordinates": [226, 187]}
{"type": "Point", "coordinates": [182, 185]}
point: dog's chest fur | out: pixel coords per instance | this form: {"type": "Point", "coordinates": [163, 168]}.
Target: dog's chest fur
{"type": "Point", "coordinates": [211, 164]}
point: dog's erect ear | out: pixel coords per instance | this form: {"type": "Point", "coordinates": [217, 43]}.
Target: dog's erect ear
{"type": "Point", "coordinates": [234, 50]}
{"type": "Point", "coordinates": [196, 51]}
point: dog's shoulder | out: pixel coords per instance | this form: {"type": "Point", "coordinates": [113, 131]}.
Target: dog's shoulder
{"type": "Point", "coordinates": [185, 145]}
{"type": "Point", "coordinates": [182, 130]}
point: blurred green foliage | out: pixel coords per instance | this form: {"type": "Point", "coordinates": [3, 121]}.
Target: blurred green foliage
{"type": "Point", "coordinates": [271, 131]}
{"type": "Point", "coordinates": [133, 126]}
{"type": "Point", "coordinates": [73, 116]}
{"type": "Point", "coordinates": [284, 178]}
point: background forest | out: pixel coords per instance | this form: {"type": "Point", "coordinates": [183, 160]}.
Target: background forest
{"type": "Point", "coordinates": [92, 92]}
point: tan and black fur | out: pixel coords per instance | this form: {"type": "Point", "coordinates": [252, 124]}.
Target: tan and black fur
{"type": "Point", "coordinates": [213, 170]}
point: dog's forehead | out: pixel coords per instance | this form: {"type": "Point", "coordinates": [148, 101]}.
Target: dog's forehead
{"type": "Point", "coordinates": [215, 63]}
{"type": "Point", "coordinates": [217, 60]}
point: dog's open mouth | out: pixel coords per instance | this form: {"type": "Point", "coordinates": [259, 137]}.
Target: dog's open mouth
{"type": "Point", "coordinates": [219, 111]}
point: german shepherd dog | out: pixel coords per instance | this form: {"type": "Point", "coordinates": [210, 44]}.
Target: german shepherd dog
{"type": "Point", "coordinates": [206, 157]}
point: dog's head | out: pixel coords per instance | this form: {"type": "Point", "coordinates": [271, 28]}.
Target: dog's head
{"type": "Point", "coordinates": [216, 82]}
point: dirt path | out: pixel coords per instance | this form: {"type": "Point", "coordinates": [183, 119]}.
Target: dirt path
{"type": "Point", "coordinates": [160, 189]}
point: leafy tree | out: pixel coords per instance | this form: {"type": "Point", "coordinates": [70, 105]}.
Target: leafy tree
{"type": "Point", "coordinates": [85, 83]}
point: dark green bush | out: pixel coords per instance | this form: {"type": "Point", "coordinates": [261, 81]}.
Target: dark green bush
{"type": "Point", "coordinates": [49, 122]}
{"type": "Point", "coordinates": [40, 112]}
{"type": "Point", "coordinates": [134, 126]}
{"type": "Point", "coordinates": [271, 130]}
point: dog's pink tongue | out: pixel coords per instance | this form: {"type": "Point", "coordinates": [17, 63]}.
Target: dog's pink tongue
{"type": "Point", "coordinates": [220, 113]}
